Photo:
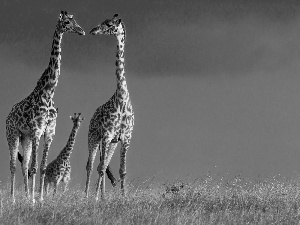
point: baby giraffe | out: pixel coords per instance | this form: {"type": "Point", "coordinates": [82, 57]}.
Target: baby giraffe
{"type": "Point", "coordinates": [60, 168]}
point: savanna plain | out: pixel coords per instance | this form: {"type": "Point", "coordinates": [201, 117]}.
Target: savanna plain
{"type": "Point", "coordinates": [209, 200]}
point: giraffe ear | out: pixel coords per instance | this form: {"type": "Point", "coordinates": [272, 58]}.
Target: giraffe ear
{"type": "Point", "coordinates": [118, 21]}
{"type": "Point", "coordinates": [62, 14]}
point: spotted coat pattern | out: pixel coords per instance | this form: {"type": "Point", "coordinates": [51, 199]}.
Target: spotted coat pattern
{"type": "Point", "coordinates": [60, 168]}
{"type": "Point", "coordinates": [113, 121]}
{"type": "Point", "coordinates": [36, 115]}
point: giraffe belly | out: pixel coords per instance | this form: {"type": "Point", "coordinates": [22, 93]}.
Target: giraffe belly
{"type": "Point", "coordinates": [38, 127]}
{"type": "Point", "coordinates": [25, 129]}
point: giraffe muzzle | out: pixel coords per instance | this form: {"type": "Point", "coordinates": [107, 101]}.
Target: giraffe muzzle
{"type": "Point", "coordinates": [79, 30]}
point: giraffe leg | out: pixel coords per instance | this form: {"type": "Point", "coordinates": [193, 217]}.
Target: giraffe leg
{"type": "Point", "coordinates": [20, 158]}
{"type": "Point", "coordinates": [27, 149]}
{"type": "Point", "coordinates": [13, 144]}
{"type": "Point", "coordinates": [110, 176]}
{"type": "Point", "coordinates": [55, 188]}
{"type": "Point", "coordinates": [48, 138]}
{"type": "Point", "coordinates": [66, 180]}
{"type": "Point", "coordinates": [66, 186]}
{"type": "Point", "coordinates": [34, 163]}
{"type": "Point", "coordinates": [105, 158]}
{"type": "Point", "coordinates": [46, 187]}
{"type": "Point", "coordinates": [108, 170]}
{"type": "Point", "coordinates": [100, 182]}
{"type": "Point", "coordinates": [93, 147]}
{"type": "Point", "coordinates": [56, 183]}
{"type": "Point", "coordinates": [124, 148]}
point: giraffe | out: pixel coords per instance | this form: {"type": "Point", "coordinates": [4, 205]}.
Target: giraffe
{"type": "Point", "coordinates": [113, 121]}
{"type": "Point", "coordinates": [60, 168]}
{"type": "Point", "coordinates": [36, 115]}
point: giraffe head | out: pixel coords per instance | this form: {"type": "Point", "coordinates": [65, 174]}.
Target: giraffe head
{"type": "Point", "coordinates": [112, 26]}
{"type": "Point", "coordinates": [77, 119]}
{"type": "Point", "coordinates": [66, 23]}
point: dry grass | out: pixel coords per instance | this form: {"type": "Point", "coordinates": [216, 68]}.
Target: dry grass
{"type": "Point", "coordinates": [207, 201]}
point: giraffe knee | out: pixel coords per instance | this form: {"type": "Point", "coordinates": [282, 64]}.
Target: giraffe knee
{"type": "Point", "coordinates": [101, 172]}
{"type": "Point", "coordinates": [34, 165]}
{"type": "Point", "coordinates": [43, 170]}
{"type": "Point", "coordinates": [12, 168]}
{"type": "Point", "coordinates": [32, 171]}
{"type": "Point", "coordinates": [122, 174]}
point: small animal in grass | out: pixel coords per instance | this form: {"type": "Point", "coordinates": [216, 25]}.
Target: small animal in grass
{"type": "Point", "coordinates": [173, 189]}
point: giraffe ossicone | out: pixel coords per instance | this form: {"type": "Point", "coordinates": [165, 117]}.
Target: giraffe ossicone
{"type": "Point", "coordinates": [113, 121]}
{"type": "Point", "coordinates": [35, 115]}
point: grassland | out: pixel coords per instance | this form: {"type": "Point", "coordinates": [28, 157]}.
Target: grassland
{"type": "Point", "coordinates": [205, 201]}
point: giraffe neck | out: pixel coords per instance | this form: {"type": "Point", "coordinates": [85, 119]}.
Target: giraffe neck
{"type": "Point", "coordinates": [122, 91]}
{"type": "Point", "coordinates": [49, 79]}
{"type": "Point", "coordinates": [66, 152]}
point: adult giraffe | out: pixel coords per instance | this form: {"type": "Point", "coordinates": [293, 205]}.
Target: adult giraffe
{"type": "Point", "coordinates": [113, 121]}
{"type": "Point", "coordinates": [36, 115]}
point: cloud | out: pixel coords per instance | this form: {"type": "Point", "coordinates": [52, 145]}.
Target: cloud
{"type": "Point", "coordinates": [216, 47]}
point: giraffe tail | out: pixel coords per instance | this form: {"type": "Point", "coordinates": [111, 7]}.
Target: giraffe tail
{"type": "Point", "coordinates": [20, 158]}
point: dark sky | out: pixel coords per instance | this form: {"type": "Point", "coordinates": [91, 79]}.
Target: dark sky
{"type": "Point", "coordinates": [214, 84]}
